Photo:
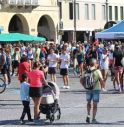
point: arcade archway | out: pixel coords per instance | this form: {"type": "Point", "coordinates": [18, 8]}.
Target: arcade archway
{"type": "Point", "coordinates": [46, 28]}
{"type": "Point", "coordinates": [18, 24]}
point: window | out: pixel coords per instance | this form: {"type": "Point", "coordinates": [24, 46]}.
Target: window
{"type": "Point", "coordinates": [121, 13]}
{"type": "Point", "coordinates": [103, 12]}
{"type": "Point", "coordinates": [20, 2]}
{"type": "Point", "coordinates": [110, 12]}
{"type": "Point", "coordinates": [86, 11]}
{"type": "Point", "coordinates": [93, 12]}
{"type": "Point", "coordinates": [28, 2]}
{"type": "Point", "coordinates": [12, 2]}
{"type": "Point", "coordinates": [77, 10]}
{"type": "Point", "coordinates": [116, 13]}
{"type": "Point", "coordinates": [71, 10]}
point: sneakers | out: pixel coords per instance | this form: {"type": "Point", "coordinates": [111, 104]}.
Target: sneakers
{"type": "Point", "coordinates": [30, 120]}
{"type": "Point", "coordinates": [22, 122]}
{"type": "Point", "coordinates": [104, 90]}
{"type": "Point", "coordinates": [94, 121]}
{"type": "Point", "coordinates": [66, 87]}
{"type": "Point", "coordinates": [87, 119]}
{"type": "Point", "coordinates": [63, 87]}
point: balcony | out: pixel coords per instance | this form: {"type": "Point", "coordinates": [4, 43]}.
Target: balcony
{"type": "Point", "coordinates": [23, 3]}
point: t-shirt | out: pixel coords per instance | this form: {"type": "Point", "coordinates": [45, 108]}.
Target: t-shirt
{"type": "Point", "coordinates": [24, 91]}
{"type": "Point", "coordinates": [94, 54]}
{"type": "Point", "coordinates": [16, 56]}
{"type": "Point", "coordinates": [52, 60]}
{"type": "Point", "coordinates": [23, 68]}
{"type": "Point", "coordinates": [64, 58]}
{"type": "Point", "coordinates": [118, 55]}
{"type": "Point", "coordinates": [30, 54]}
{"type": "Point", "coordinates": [104, 62]}
{"type": "Point", "coordinates": [97, 76]}
{"type": "Point", "coordinates": [2, 58]}
{"type": "Point", "coordinates": [37, 54]}
{"type": "Point", "coordinates": [36, 77]}
{"type": "Point", "coordinates": [80, 57]}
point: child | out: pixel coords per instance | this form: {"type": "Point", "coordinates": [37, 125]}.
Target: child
{"type": "Point", "coordinates": [24, 92]}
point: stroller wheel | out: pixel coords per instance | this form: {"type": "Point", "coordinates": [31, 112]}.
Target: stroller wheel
{"type": "Point", "coordinates": [47, 116]}
{"type": "Point", "coordinates": [52, 118]}
{"type": "Point", "coordinates": [58, 116]}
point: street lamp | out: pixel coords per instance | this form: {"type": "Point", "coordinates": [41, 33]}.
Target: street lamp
{"type": "Point", "coordinates": [74, 15]}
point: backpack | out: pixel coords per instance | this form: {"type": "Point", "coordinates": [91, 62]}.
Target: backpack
{"type": "Point", "coordinates": [88, 80]}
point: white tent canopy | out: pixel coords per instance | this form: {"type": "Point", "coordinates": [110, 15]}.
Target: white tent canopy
{"type": "Point", "coordinates": [115, 32]}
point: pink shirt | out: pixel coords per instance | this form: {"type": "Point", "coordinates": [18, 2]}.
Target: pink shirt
{"type": "Point", "coordinates": [35, 78]}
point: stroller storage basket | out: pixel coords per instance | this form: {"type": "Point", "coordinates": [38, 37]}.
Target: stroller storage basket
{"type": "Point", "coordinates": [47, 99]}
{"type": "Point", "coordinates": [49, 104]}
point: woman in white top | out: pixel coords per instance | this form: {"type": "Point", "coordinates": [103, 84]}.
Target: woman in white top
{"type": "Point", "coordinates": [105, 66]}
{"type": "Point", "coordinates": [64, 59]}
{"type": "Point", "coordinates": [52, 60]}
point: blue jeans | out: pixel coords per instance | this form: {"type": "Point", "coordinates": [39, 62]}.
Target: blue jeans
{"type": "Point", "coordinates": [93, 95]}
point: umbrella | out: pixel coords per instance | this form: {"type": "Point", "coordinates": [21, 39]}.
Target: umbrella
{"type": "Point", "coordinates": [13, 37]}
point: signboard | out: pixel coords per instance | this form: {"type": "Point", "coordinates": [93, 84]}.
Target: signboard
{"type": "Point", "coordinates": [61, 32]}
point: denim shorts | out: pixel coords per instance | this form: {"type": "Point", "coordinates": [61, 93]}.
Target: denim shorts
{"type": "Point", "coordinates": [93, 95]}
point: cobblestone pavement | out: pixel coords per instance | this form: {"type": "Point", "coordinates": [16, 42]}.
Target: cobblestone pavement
{"type": "Point", "coordinates": [73, 107]}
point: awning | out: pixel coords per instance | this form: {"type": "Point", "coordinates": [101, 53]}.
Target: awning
{"type": "Point", "coordinates": [13, 37]}
{"type": "Point", "coordinates": [115, 32]}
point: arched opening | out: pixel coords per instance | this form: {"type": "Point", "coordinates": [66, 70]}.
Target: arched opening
{"type": "Point", "coordinates": [18, 24]}
{"type": "Point", "coordinates": [46, 28]}
{"type": "Point", "coordinates": [109, 24]}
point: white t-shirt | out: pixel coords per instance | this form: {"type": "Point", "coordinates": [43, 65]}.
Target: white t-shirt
{"type": "Point", "coordinates": [23, 51]}
{"type": "Point", "coordinates": [64, 58]}
{"type": "Point", "coordinates": [111, 56]}
{"type": "Point", "coordinates": [52, 60]}
{"type": "Point", "coordinates": [105, 63]}
{"type": "Point", "coordinates": [30, 54]}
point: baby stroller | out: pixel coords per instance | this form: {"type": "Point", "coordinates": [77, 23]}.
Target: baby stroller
{"type": "Point", "coordinates": [49, 104]}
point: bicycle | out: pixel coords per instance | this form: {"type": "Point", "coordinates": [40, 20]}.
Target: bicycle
{"type": "Point", "coordinates": [2, 85]}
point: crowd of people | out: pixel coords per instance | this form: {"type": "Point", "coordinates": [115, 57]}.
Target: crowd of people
{"type": "Point", "coordinates": [33, 62]}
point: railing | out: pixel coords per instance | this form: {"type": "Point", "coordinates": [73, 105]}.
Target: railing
{"type": "Point", "coordinates": [22, 2]}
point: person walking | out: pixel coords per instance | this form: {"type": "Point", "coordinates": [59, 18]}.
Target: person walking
{"type": "Point", "coordinates": [117, 65]}
{"type": "Point", "coordinates": [93, 94]}
{"type": "Point", "coordinates": [24, 92]}
{"type": "Point", "coordinates": [24, 67]}
{"type": "Point", "coordinates": [105, 67]}
{"type": "Point", "coordinates": [64, 59]}
{"type": "Point", "coordinates": [52, 60]}
{"type": "Point", "coordinates": [36, 80]}
{"type": "Point", "coordinates": [80, 59]}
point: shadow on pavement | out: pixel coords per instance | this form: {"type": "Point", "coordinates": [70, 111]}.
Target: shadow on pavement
{"type": "Point", "coordinates": [42, 122]}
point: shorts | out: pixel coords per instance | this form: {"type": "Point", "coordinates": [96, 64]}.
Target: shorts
{"type": "Point", "coordinates": [93, 95]}
{"type": "Point", "coordinates": [119, 70]}
{"type": "Point", "coordinates": [51, 70]}
{"type": "Point", "coordinates": [15, 64]}
{"type": "Point", "coordinates": [35, 91]}
{"type": "Point", "coordinates": [80, 62]}
{"type": "Point", "coordinates": [4, 71]}
{"type": "Point", "coordinates": [64, 71]}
